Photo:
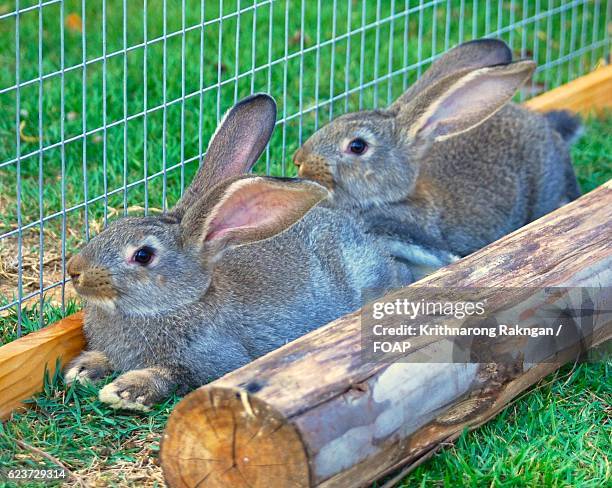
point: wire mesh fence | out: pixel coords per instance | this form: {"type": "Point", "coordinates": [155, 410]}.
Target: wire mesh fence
{"type": "Point", "coordinates": [107, 105]}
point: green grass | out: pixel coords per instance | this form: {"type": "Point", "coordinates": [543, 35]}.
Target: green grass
{"type": "Point", "coordinates": [92, 440]}
{"type": "Point", "coordinates": [556, 435]}
{"type": "Point", "coordinates": [113, 161]}
{"type": "Point", "coordinates": [591, 155]}
{"type": "Point", "coordinates": [30, 319]}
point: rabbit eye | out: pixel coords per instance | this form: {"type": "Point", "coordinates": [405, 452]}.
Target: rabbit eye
{"type": "Point", "coordinates": [358, 146]}
{"type": "Point", "coordinates": [143, 255]}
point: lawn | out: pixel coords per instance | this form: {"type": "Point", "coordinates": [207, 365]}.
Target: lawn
{"type": "Point", "coordinates": [556, 435]}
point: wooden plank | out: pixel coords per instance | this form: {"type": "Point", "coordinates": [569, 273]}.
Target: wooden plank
{"type": "Point", "coordinates": [23, 361]}
{"type": "Point", "coordinates": [592, 92]}
{"type": "Point", "coordinates": [357, 420]}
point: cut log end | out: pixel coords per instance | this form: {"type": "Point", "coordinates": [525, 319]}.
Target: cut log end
{"type": "Point", "coordinates": [223, 437]}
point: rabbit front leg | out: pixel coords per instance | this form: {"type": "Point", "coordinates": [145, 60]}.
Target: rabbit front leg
{"type": "Point", "coordinates": [88, 367]}
{"type": "Point", "coordinates": [427, 258]}
{"type": "Point", "coordinates": [139, 389]}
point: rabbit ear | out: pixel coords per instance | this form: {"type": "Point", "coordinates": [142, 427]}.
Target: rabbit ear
{"type": "Point", "coordinates": [459, 103]}
{"type": "Point", "coordinates": [472, 55]}
{"type": "Point", "coordinates": [235, 147]}
{"type": "Point", "coordinates": [249, 210]}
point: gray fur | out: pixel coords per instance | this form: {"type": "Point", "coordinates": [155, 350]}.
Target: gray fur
{"type": "Point", "coordinates": [207, 305]}
{"type": "Point", "coordinates": [205, 322]}
{"type": "Point", "coordinates": [450, 196]}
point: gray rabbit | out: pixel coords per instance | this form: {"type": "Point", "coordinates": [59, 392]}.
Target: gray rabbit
{"type": "Point", "coordinates": [450, 166]}
{"type": "Point", "coordinates": [177, 300]}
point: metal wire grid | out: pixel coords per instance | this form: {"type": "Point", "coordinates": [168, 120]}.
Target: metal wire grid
{"type": "Point", "coordinates": [285, 43]}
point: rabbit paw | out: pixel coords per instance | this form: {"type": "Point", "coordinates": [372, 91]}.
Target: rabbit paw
{"type": "Point", "coordinates": [135, 390]}
{"type": "Point", "coordinates": [90, 366]}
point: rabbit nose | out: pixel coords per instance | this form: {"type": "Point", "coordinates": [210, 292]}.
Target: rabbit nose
{"type": "Point", "coordinates": [75, 267]}
{"type": "Point", "coordinates": [298, 157]}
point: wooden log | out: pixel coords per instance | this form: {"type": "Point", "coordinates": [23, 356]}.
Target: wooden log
{"type": "Point", "coordinates": [23, 361]}
{"type": "Point", "coordinates": [585, 94]}
{"type": "Point", "coordinates": [313, 413]}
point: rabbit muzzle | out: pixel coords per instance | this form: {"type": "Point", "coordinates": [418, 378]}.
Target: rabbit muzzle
{"type": "Point", "coordinates": [313, 167]}
{"type": "Point", "coordinates": [90, 281]}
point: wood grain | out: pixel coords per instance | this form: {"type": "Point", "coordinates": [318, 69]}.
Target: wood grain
{"type": "Point", "coordinates": [589, 93]}
{"type": "Point", "coordinates": [23, 361]}
{"type": "Point", "coordinates": [358, 421]}
{"type": "Point", "coordinates": [256, 431]}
